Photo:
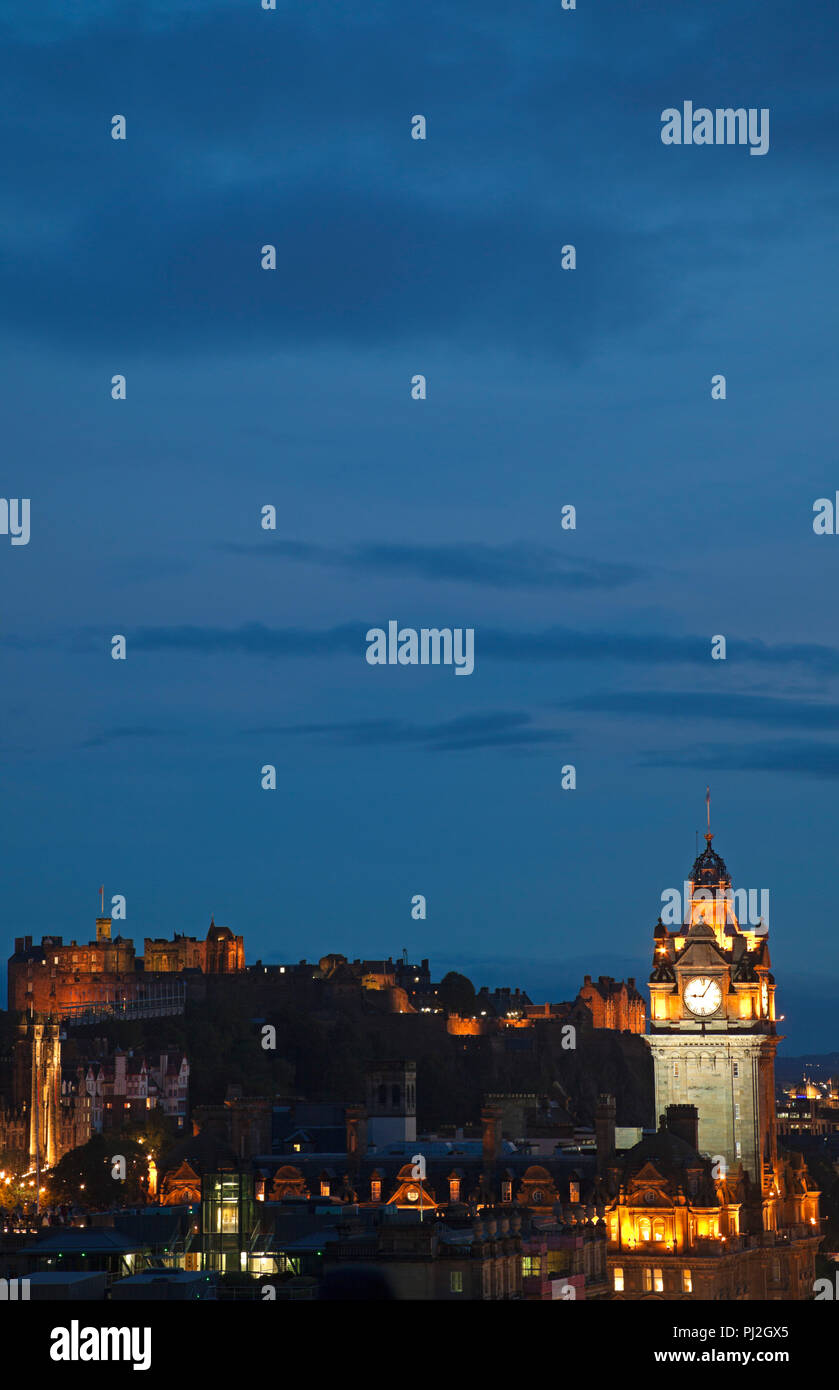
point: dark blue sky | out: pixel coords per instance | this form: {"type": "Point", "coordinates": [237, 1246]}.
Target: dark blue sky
{"type": "Point", "coordinates": [545, 387]}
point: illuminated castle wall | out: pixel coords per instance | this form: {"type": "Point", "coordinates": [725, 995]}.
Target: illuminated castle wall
{"type": "Point", "coordinates": [53, 976]}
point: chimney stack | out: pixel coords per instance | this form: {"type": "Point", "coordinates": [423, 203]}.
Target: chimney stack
{"type": "Point", "coordinates": [683, 1121]}
{"type": "Point", "coordinates": [491, 1117]}
{"type": "Point", "coordinates": [604, 1128]}
{"type": "Point", "coordinates": [356, 1121]}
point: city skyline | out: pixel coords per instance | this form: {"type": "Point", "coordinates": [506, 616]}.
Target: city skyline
{"type": "Point", "coordinates": [805, 1002]}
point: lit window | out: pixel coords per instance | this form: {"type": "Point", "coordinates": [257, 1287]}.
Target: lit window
{"type": "Point", "coordinates": [506, 1192]}
{"type": "Point", "coordinates": [324, 1189]}
{"type": "Point", "coordinates": [454, 1189]}
{"type": "Point", "coordinates": [456, 1281]}
{"type": "Point", "coordinates": [375, 1190]}
{"type": "Point", "coordinates": [658, 1281]}
{"type": "Point", "coordinates": [687, 1282]}
{"type": "Point", "coordinates": [644, 1228]}
{"type": "Point", "coordinates": [648, 1280]}
{"type": "Point", "coordinates": [617, 1280]}
{"type": "Point", "coordinates": [531, 1266]}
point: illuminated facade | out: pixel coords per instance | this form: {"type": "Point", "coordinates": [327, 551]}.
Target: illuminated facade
{"type": "Point", "coordinates": [708, 1207]}
{"type": "Point", "coordinates": [221, 953]}
{"type": "Point", "coordinates": [712, 1022]}
{"type": "Point", "coordinates": [614, 1004]}
{"type": "Point", "coordinates": [48, 1115]}
{"type": "Point", "coordinates": [54, 977]}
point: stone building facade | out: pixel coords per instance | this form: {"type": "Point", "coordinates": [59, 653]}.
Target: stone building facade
{"type": "Point", "coordinates": [54, 978]}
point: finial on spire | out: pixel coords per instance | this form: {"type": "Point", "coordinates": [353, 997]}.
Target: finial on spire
{"type": "Point", "coordinates": [709, 837]}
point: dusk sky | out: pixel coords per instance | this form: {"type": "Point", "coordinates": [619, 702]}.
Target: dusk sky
{"type": "Point", "coordinates": [546, 387]}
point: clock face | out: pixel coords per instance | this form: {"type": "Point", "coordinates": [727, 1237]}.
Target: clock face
{"type": "Point", "coordinates": [702, 995]}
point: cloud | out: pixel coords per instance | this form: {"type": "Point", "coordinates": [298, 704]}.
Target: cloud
{"type": "Point", "coordinates": [515, 566]}
{"type": "Point", "coordinates": [504, 729]}
{"type": "Point", "coordinates": [692, 705]}
{"type": "Point", "coordinates": [247, 127]}
{"type": "Point", "coordinates": [547, 645]}
{"type": "Point", "coordinates": [122, 734]}
{"type": "Point", "coordinates": [254, 639]}
{"type": "Point", "coordinates": [557, 643]}
{"type": "Point", "coordinates": [808, 759]}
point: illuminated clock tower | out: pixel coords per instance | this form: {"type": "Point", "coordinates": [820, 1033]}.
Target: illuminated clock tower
{"type": "Point", "coordinates": [712, 1023]}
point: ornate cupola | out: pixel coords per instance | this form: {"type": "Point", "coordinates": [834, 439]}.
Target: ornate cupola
{"type": "Point", "coordinates": [709, 870]}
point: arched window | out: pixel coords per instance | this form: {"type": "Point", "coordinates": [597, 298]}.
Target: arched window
{"type": "Point", "coordinates": [644, 1228]}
